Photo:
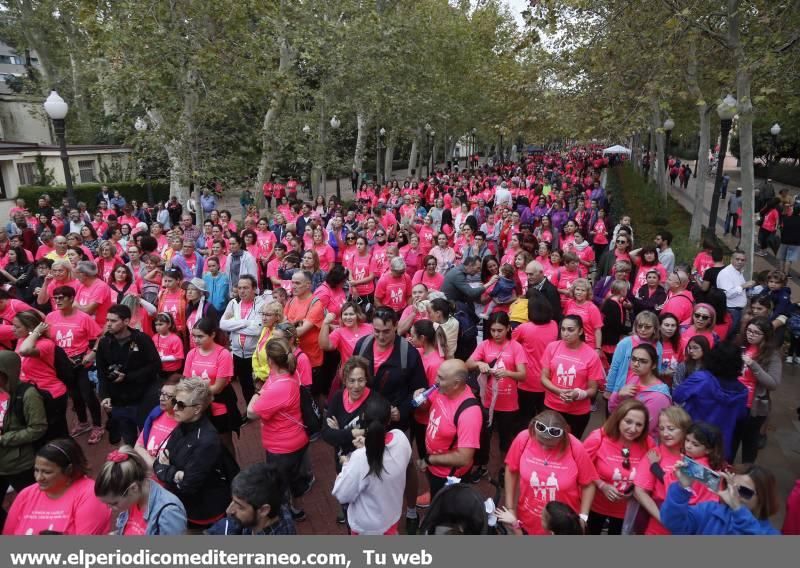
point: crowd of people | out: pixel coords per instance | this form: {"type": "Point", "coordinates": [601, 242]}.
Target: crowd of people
{"type": "Point", "coordinates": [403, 330]}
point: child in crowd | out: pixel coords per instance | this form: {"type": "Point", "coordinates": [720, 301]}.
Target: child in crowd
{"type": "Point", "coordinates": [504, 291]}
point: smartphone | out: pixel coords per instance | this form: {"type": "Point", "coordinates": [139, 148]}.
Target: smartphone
{"type": "Point", "coordinates": [701, 473]}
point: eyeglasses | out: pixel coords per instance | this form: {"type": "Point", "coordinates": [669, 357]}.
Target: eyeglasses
{"type": "Point", "coordinates": [552, 431]}
{"type": "Point", "coordinates": [644, 326]}
{"type": "Point", "coordinates": [180, 405]}
{"type": "Point", "coordinates": [639, 360]}
{"type": "Point", "coordinates": [702, 316]}
{"type": "Point", "coordinates": [626, 458]}
{"type": "Point", "coordinates": [622, 242]}
{"type": "Point", "coordinates": [166, 395]}
{"type": "Point", "coordinates": [756, 332]}
{"type": "Point", "coordinates": [745, 492]}
{"type": "Point", "coordinates": [380, 234]}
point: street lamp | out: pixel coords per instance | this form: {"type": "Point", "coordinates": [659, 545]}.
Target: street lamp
{"type": "Point", "coordinates": [141, 126]}
{"type": "Point", "coordinates": [428, 131]}
{"type": "Point", "coordinates": [474, 131]}
{"type": "Point", "coordinates": [775, 130]}
{"type": "Point", "coordinates": [380, 178]}
{"type": "Point", "coordinates": [669, 124]}
{"type": "Point", "coordinates": [726, 111]}
{"type": "Point", "coordinates": [56, 108]}
{"type": "Point", "coordinates": [335, 122]}
{"type": "Point", "coordinates": [307, 132]}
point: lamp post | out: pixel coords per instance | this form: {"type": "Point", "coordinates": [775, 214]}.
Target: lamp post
{"type": "Point", "coordinates": [669, 124]}
{"type": "Point", "coordinates": [141, 126]}
{"type": "Point", "coordinates": [335, 124]}
{"type": "Point", "coordinates": [382, 156]}
{"type": "Point", "coordinates": [56, 108]}
{"type": "Point", "coordinates": [775, 130]}
{"type": "Point", "coordinates": [428, 130]}
{"type": "Point", "coordinates": [307, 132]}
{"type": "Point", "coordinates": [474, 131]}
{"type": "Point", "coordinates": [726, 110]}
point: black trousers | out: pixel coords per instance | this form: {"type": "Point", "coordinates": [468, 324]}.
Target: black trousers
{"type": "Point", "coordinates": [577, 423]}
{"type": "Point", "coordinates": [747, 433]}
{"type": "Point", "coordinates": [530, 404]}
{"type": "Point", "coordinates": [290, 467]}
{"type": "Point", "coordinates": [56, 410]}
{"type": "Point", "coordinates": [596, 521]}
{"type": "Point", "coordinates": [243, 368]}
{"type": "Point", "coordinates": [436, 483]}
{"type": "Point", "coordinates": [84, 396]}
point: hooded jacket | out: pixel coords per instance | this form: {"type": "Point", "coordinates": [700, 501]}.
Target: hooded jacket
{"type": "Point", "coordinates": [707, 399]}
{"type": "Point", "coordinates": [19, 432]}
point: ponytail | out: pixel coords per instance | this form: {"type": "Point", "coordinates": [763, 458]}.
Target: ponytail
{"type": "Point", "coordinates": [377, 413]}
{"type": "Point", "coordinates": [279, 354]}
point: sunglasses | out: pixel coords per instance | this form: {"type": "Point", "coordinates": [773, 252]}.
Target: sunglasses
{"type": "Point", "coordinates": [622, 242]}
{"type": "Point", "coordinates": [702, 316]}
{"type": "Point", "coordinates": [180, 405]}
{"type": "Point", "coordinates": [552, 431]}
{"type": "Point", "coordinates": [745, 492]}
{"type": "Point", "coordinates": [626, 458]}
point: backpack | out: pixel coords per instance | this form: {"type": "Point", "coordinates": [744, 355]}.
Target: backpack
{"type": "Point", "coordinates": [64, 367]}
{"type": "Point", "coordinates": [309, 410]}
{"type": "Point", "coordinates": [794, 322]}
{"type": "Point", "coordinates": [465, 404]}
{"type": "Point", "coordinates": [367, 344]}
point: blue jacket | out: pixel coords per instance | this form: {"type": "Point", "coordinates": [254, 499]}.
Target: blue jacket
{"type": "Point", "coordinates": [621, 362]}
{"type": "Point", "coordinates": [165, 513]}
{"type": "Point", "coordinates": [709, 517]}
{"type": "Point", "coordinates": [218, 289]}
{"type": "Point", "coordinates": [707, 399]}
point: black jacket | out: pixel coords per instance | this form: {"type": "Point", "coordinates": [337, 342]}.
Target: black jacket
{"type": "Point", "coordinates": [140, 364]}
{"type": "Point", "coordinates": [550, 292]}
{"type": "Point", "coordinates": [195, 449]}
{"type": "Point", "coordinates": [394, 384]}
{"type": "Point", "coordinates": [341, 438]}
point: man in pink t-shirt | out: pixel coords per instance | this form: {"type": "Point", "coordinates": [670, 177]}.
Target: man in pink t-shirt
{"type": "Point", "coordinates": [451, 443]}
{"type": "Point", "coordinates": [394, 287]}
{"type": "Point", "coordinates": [93, 296]}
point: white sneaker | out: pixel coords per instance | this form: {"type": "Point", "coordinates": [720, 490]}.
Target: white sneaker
{"type": "Point", "coordinates": [796, 360]}
{"type": "Point", "coordinates": [789, 360]}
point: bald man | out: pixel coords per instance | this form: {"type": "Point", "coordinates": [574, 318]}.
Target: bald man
{"type": "Point", "coordinates": [454, 427]}
{"type": "Point", "coordinates": [538, 283]}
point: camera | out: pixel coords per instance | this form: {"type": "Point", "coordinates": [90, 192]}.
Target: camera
{"type": "Point", "coordinates": [114, 371]}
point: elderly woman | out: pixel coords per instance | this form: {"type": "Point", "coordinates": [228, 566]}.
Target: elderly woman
{"type": "Point", "coordinates": [61, 274]}
{"type": "Point", "coordinates": [271, 315]}
{"type": "Point", "coordinates": [193, 464]}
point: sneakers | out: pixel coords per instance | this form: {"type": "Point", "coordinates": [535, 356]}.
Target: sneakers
{"type": "Point", "coordinates": [796, 360]}
{"type": "Point", "coordinates": [311, 483]}
{"type": "Point", "coordinates": [789, 360]}
{"type": "Point", "coordinates": [80, 429]}
{"type": "Point", "coordinates": [476, 474]}
{"type": "Point", "coordinates": [96, 435]}
{"type": "Point", "coordinates": [424, 500]}
{"type": "Point", "coordinates": [762, 441]}
{"type": "Point", "coordinates": [412, 526]}
{"type": "Point", "coordinates": [761, 253]}
{"type": "Point", "coordinates": [340, 517]}
{"type": "Point", "coordinates": [298, 515]}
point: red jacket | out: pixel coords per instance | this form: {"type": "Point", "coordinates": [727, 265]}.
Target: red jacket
{"type": "Point", "coordinates": [791, 522]}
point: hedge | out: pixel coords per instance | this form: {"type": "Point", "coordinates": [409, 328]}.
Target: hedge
{"type": "Point", "coordinates": [87, 192]}
{"type": "Point", "coordinates": [784, 173]}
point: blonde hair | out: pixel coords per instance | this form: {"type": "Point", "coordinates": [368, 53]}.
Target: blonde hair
{"type": "Point", "coordinates": [197, 389]}
{"type": "Point", "coordinates": [117, 475]}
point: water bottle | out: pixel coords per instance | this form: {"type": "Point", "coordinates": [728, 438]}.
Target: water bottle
{"type": "Point", "coordinates": [353, 424]}
{"type": "Point", "coordinates": [420, 399]}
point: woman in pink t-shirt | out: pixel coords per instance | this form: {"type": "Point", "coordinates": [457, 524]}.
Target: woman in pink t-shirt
{"type": "Point", "coordinates": [571, 371]}
{"type": "Point", "coordinates": [125, 486]}
{"type": "Point", "coordinates": [431, 345]}
{"type": "Point", "coordinates": [277, 406]}
{"type": "Point", "coordinates": [416, 310]}
{"type": "Point", "coordinates": [618, 450]}
{"type": "Point", "coordinates": [502, 363]}
{"type": "Point", "coordinates": [429, 275]}
{"type": "Point", "coordinates": [159, 423]}
{"type": "Point", "coordinates": [37, 354]}
{"type": "Point", "coordinates": [362, 279]}
{"type": "Point", "coordinates": [212, 362]}
{"type": "Point", "coordinates": [168, 344]}
{"type": "Point", "coordinates": [581, 305]}
{"type": "Point", "coordinates": [343, 338]}
{"type": "Point", "coordinates": [331, 293]}
{"type": "Point", "coordinates": [62, 500]}
{"type": "Point", "coordinates": [546, 463]}
{"type": "Point", "coordinates": [644, 385]}
{"type": "Point", "coordinates": [671, 353]}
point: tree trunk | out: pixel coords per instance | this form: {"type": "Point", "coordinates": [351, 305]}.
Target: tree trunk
{"type": "Point", "coordinates": [745, 125]}
{"type": "Point", "coordinates": [703, 110]}
{"type": "Point", "coordinates": [652, 150]}
{"type": "Point", "coordinates": [388, 155]}
{"type": "Point", "coordinates": [412, 158]}
{"type": "Point", "coordinates": [361, 141]}
{"type": "Point", "coordinates": [268, 138]}
{"type": "Point", "coordinates": [658, 161]}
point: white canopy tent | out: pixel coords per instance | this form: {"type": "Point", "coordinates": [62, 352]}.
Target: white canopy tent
{"type": "Point", "coordinates": [617, 149]}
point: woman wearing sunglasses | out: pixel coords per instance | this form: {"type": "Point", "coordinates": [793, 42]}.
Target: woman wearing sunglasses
{"type": "Point", "coordinates": [644, 386]}
{"type": "Point", "coordinates": [745, 505]}
{"type": "Point", "coordinates": [190, 463]}
{"type": "Point", "coordinates": [160, 423]}
{"type": "Point", "coordinates": [704, 318]}
{"type": "Point", "coordinates": [618, 449]}
{"type": "Point", "coordinates": [622, 246]}
{"type": "Point", "coordinates": [571, 371]}
{"type": "Point", "coordinates": [142, 506]}
{"type": "Point", "coordinates": [545, 463]}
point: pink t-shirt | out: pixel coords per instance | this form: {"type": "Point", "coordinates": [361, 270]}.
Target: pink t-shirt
{"type": "Point", "coordinates": [591, 316]}
{"type": "Point", "coordinates": [217, 365]}
{"type": "Point", "coordinates": [702, 262]}
{"type": "Point", "coordinates": [332, 300]}
{"type": "Point", "coordinates": [13, 307]}
{"type": "Point", "coordinates": [327, 256]}
{"type": "Point", "coordinates": [278, 407]}
{"type": "Point", "coordinates": [170, 345]}
{"type": "Point", "coordinates": [546, 476]}
{"type": "Point", "coordinates": [76, 512]}
{"type": "Point", "coordinates": [360, 267]}
{"type": "Point", "coordinates": [74, 332]}
{"type": "Point", "coordinates": [442, 428]}
{"type": "Point", "coordinates": [431, 363]}
{"type": "Point", "coordinates": [303, 370]}
{"type": "Point", "coordinates": [344, 339]}
{"type": "Point", "coordinates": [432, 282]}
{"type": "Point", "coordinates": [97, 292]}
{"type": "Point", "coordinates": [658, 489]}
{"type": "Point", "coordinates": [609, 461]}
{"type": "Point", "coordinates": [534, 339]}
{"type": "Point", "coordinates": [40, 371]}
{"type": "Point", "coordinates": [570, 369]}
{"type": "Point", "coordinates": [511, 356]}
{"type": "Point", "coordinates": [393, 292]}
{"type": "Point", "coordinates": [379, 261]}
{"type": "Point", "coordinates": [136, 525]}
{"type": "Point", "coordinates": [160, 430]}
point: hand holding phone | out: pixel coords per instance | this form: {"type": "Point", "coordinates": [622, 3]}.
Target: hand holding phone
{"type": "Point", "coordinates": [689, 470]}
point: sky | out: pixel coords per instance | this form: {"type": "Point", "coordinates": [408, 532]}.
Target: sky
{"type": "Point", "coordinates": [516, 7]}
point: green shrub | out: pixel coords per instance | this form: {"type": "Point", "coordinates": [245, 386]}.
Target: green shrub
{"type": "Point", "coordinates": [784, 173]}
{"type": "Point", "coordinates": [633, 195]}
{"type": "Point", "coordinates": [87, 192]}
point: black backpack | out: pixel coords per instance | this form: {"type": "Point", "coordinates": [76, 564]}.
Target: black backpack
{"type": "Point", "coordinates": [312, 416]}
